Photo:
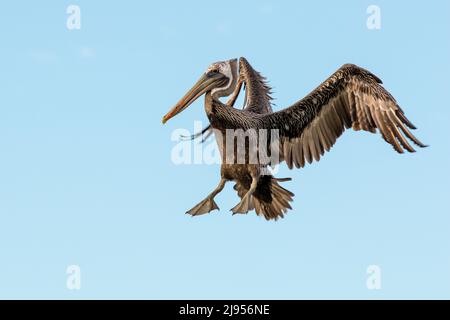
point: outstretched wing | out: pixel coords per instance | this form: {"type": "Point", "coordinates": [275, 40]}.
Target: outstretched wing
{"type": "Point", "coordinates": [351, 98]}
{"type": "Point", "coordinates": [257, 91]}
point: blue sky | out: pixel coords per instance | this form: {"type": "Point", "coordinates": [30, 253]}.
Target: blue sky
{"type": "Point", "coordinates": [86, 176]}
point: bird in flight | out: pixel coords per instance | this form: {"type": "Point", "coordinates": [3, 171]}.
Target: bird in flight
{"type": "Point", "coordinates": [352, 97]}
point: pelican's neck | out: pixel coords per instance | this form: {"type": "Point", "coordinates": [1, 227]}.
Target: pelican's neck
{"type": "Point", "coordinates": [213, 106]}
{"type": "Point", "coordinates": [218, 113]}
{"type": "Point", "coordinates": [209, 102]}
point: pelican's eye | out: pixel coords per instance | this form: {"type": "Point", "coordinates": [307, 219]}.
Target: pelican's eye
{"type": "Point", "coordinates": [213, 72]}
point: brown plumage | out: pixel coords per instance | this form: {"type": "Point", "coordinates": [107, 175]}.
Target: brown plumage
{"type": "Point", "coordinates": [350, 98]}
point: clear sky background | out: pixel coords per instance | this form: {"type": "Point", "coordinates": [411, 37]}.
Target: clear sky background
{"type": "Point", "coordinates": [86, 176]}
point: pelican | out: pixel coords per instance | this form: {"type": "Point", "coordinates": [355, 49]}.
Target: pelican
{"type": "Point", "coordinates": [352, 97]}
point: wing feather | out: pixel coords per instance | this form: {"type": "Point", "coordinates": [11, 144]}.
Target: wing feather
{"type": "Point", "coordinates": [351, 98]}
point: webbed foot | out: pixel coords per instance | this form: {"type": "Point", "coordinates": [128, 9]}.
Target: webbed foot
{"type": "Point", "coordinates": [244, 206]}
{"type": "Point", "coordinates": [203, 207]}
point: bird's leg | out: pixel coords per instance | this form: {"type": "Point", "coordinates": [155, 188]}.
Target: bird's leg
{"type": "Point", "coordinates": [246, 203]}
{"type": "Point", "coordinates": [208, 204]}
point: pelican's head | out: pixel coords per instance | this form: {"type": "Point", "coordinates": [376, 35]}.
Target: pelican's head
{"type": "Point", "coordinates": [220, 79]}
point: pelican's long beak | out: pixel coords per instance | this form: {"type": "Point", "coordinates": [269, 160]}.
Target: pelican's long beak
{"type": "Point", "coordinates": [206, 83]}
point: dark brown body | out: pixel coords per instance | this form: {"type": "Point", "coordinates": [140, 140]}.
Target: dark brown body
{"type": "Point", "coordinates": [268, 198]}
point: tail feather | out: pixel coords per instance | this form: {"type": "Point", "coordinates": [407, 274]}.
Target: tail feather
{"type": "Point", "coordinates": [269, 199]}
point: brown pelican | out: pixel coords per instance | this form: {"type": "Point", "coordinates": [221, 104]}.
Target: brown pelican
{"type": "Point", "coordinates": [352, 97]}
